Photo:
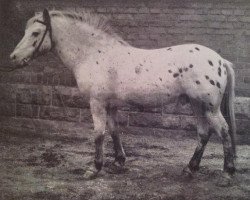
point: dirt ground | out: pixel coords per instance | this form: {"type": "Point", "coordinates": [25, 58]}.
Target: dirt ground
{"type": "Point", "coordinates": [53, 167]}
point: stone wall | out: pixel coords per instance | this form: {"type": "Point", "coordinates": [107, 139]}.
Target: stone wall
{"type": "Point", "coordinates": [45, 91]}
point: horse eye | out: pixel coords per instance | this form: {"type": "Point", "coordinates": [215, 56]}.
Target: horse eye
{"type": "Point", "coordinates": [35, 34]}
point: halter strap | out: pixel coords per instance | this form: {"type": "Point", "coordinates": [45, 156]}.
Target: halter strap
{"type": "Point", "coordinates": [48, 29]}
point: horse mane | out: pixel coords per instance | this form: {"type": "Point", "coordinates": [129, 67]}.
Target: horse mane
{"type": "Point", "coordinates": [99, 22]}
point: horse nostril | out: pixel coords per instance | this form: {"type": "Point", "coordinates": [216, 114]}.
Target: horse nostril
{"type": "Point", "coordinates": [13, 57]}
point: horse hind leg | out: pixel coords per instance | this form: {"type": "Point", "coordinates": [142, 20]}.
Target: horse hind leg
{"type": "Point", "coordinates": [220, 126]}
{"type": "Point", "coordinates": [112, 128]}
{"type": "Point", "coordinates": [203, 134]}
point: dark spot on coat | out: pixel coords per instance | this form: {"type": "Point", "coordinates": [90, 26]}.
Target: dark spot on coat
{"type": "Point", "coordinates": [141, 64]}
{"type": "Point", "coordinates": [210, 63]}
{"type": "Point", "coordinates": [160, 78]}
{"type": "Point", "coordinates": [99, 51]}
{"type": "Point", "coordinates": [129, 53]}
{"type": "Point", "coordinates": [212, 82]}
{"type": "Point", "coordinates": [180, 70]}
{"type": "Point", "coordinates": [181, 75]}
{"type": "Point", "coordinates": [218, 84]}
{"type": "Point", "coordinates": [191, 51]}
{"type": "Point", "coordinates": [137, 70]}
{"type": "Point", "coordinates": [197, 48]}
{"type": "Point", "coordinates": [191, 66]}
{"type": "Point", "coordinates": [170, 71]}
{"type": "Point", "coordinates": [225, 65]}
{"type": "Point", "coordinates": [97, 62]}
{"type": "Point", "coordinates": [197, 82]}
{"type": "Point", "coordinates": [147, 70]}
{"type": "Point", "coordinates": [207, 77]}
{"type": "Point", "coordinates": [220, 62]}
{"type": "Point", "coordinates": [219, 71]}
{"type": "Point", "coordinates": [208, 94]}
{"type": "Point", "coordinates": [34, 44]}
{"type": "Point", "coordinates": [92, 34]}
{"type": "Point", "coordinates": [169, 49]}
{"type": "Point", "coordinates": [168, 94]}
{"type": "Point", "coordinates": [175, 75]}
{"type": "Point", "coordinates": [211, 104]}
{"type": "Point", "coordinates": [185, 69]}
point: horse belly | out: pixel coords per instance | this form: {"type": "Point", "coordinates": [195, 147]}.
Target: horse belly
{"type": "Point", "coordinates": [147, 95]}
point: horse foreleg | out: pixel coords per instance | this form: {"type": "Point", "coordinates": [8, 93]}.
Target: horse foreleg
{"type": "Point", "coordinates": [112, 126]}
{"type": "Point", "coordinates": [99, 114]}
{"type": "Point", "coordinates": [203, 134]}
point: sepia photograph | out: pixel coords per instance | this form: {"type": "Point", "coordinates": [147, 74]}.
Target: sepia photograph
{"type": "Point", "coordinates": [124, 99]}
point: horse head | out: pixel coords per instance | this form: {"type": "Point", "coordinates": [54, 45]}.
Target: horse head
{"type": "Point", "coordinates": [36, 40]}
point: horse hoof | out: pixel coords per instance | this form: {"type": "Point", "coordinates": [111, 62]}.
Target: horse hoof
{"type": "Point", "coordinates": [225, 180]}
{"type": "Point", "coordinates": [230, 170]}
{"type": "Point", "coordinates": [120, 159]}
{"type": "Point", "coordinates": [89, 174]}
{"type": "Point", "coordinates": [187, 172]}
{"type": "Point", "coordinates": [98, 165]}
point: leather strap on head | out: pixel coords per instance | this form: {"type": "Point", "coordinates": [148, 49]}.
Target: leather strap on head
{"type": "Point", "coordinates": [46, 23]}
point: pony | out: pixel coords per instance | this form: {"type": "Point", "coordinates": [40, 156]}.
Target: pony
{"type": "Point", "coordinates": [109, 70]}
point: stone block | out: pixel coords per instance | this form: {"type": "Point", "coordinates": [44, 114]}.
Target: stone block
{"type": "Point", "coordinates": [35, 94]}
{"type": "Point", "coordinates": [101, 10]}
{"type": "Point", "coordinates": [7, 109]}
{"type": "Point", "coordinates": [243, 126]}
{"type": "Point", "coordinates": [242, 92]}
{"type": "Point", "coordinates": [59, 113]}
{"type": "Point", "coordinates": [170, 121]}
{"type": "Point", "coordinates": [242, 107]}
{"type": "Point", "coordinates": [85, 116]}
{"type": "Point", "coordinates": [192, 18]}
{"type": "Point", "coordinates": [145, 119]}
{"type": "Point", "coordinates": [69, 97]}
{"type": "Point", "coordinates": [8, 93]}
{"type": "Point", "coordinates": [70, 101]}
{"type": "Point", "coordinates": [188, 123]}
{"type": "Point", "coordinates": [123, 118]}
{"type": "Point", "coordinates": [245, 19]}
{"type": "Point", "coordinates": [27, 110]}
{"type": "Point", "coordinates": [247, 79]}
{"type": "Point", "coordinates": [181, 108]}
{"type": "Point", "coordinates": [154, 120]}
{"type": "Point", "coordinates": [143, 10]}
{"type": "Point", "coordinates": [227, 12]}
{"type": "Point", "coordinates": [155, 10]}
{"type": "Point", "coordinates": [131, 10]}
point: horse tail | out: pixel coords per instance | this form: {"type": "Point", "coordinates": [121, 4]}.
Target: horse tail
{"type": "Point", "coordinates": [228, 103]}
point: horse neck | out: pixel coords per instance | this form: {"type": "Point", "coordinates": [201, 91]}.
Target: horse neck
{"type": "Point", "coordinates": [75, 42]}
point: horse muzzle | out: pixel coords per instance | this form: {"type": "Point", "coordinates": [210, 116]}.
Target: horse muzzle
{"type": "Point", "coordinates": [19, 61]}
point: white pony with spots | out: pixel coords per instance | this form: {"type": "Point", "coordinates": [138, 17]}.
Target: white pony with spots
{"type": "Point", "coordinates": [107, 69]}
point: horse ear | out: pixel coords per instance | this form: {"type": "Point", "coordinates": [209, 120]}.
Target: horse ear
{"type": "Point", "coordinates": [46, 16]}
